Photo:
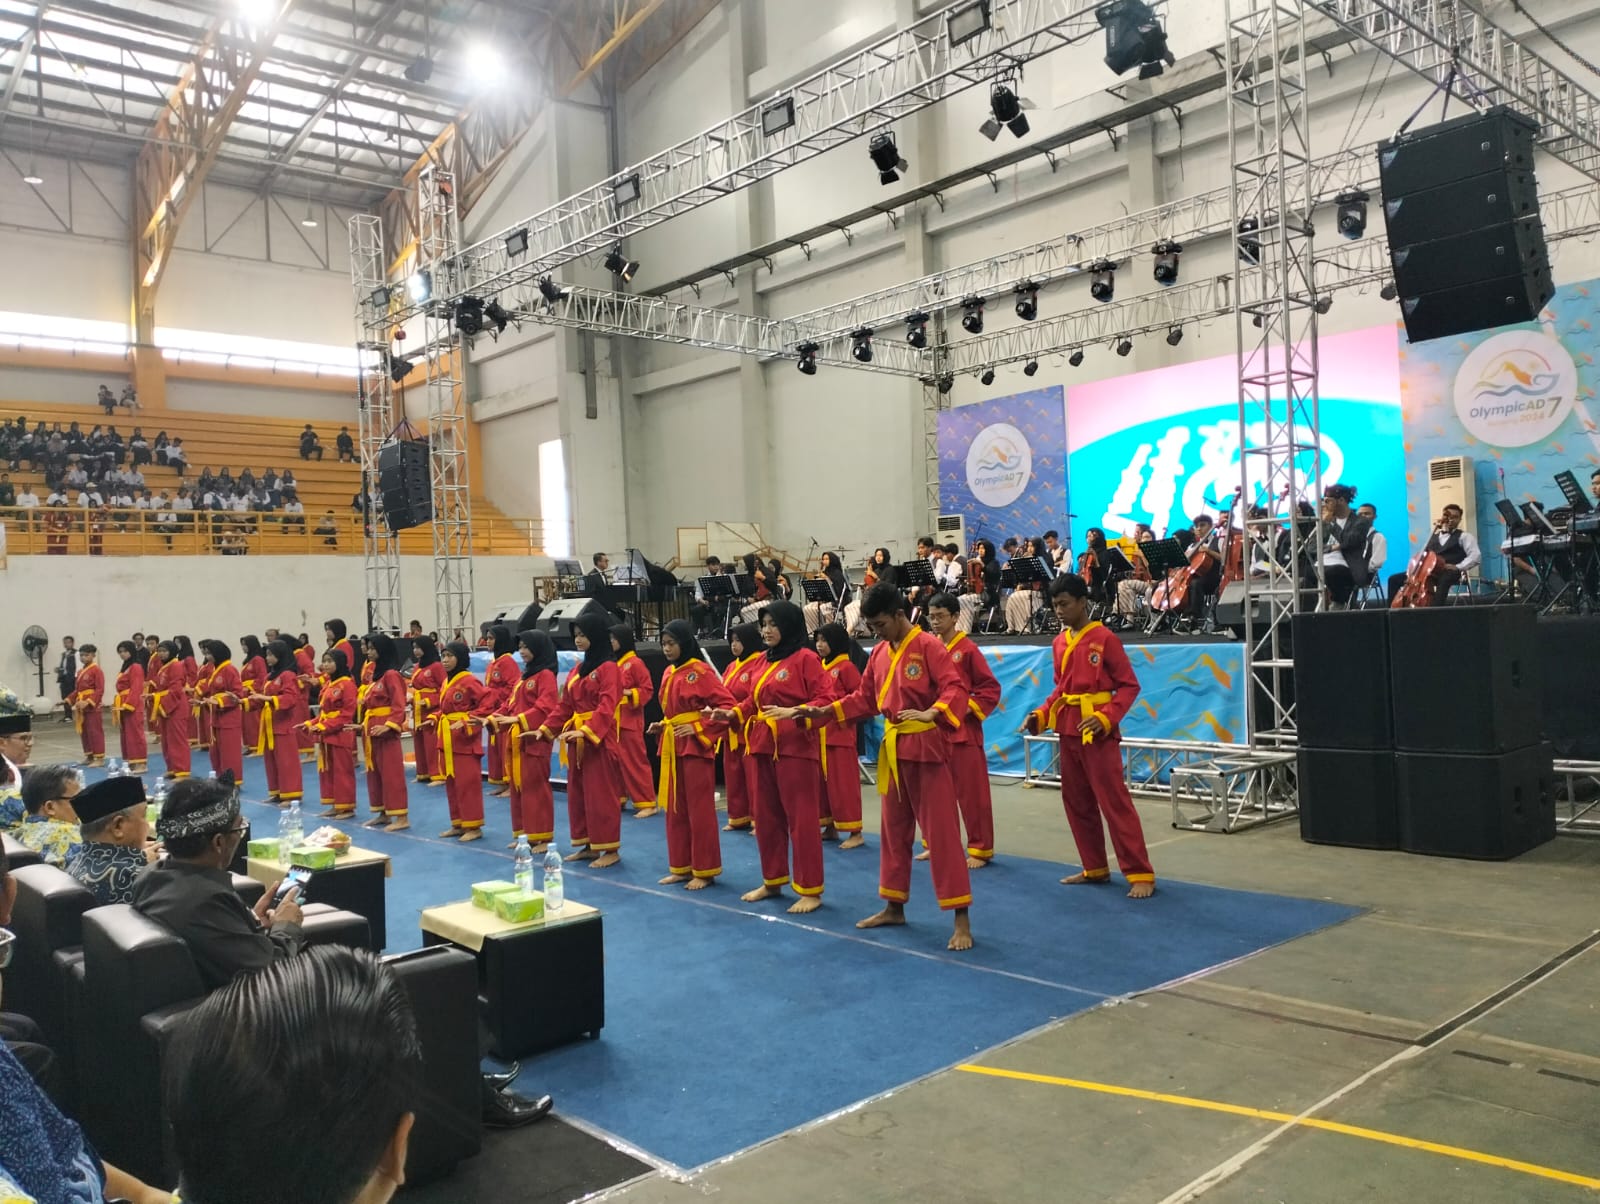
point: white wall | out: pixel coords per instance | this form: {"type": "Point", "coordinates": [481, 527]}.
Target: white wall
{"type": "Point", "coordinates": [336, 406]}
{"type": "Point", "coordinates": [102, 600]}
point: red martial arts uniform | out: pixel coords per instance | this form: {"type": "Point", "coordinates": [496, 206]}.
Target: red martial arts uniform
{"type": "Point", "coordinates": [383, 718]}
{"type": "Point", "coordinates": [90, 688]}
{"type": "Point", "coordinates": [306, 670]}
{"type": "Point", "coordinates": [281, 750]}
{"type": "Point", "coordinates": [352, 658]}
{"type": "Point", "coordinates": [200, 728]}
{"type": "Point", "coordinates": [914, 785]}
{"type": "Point", "coordinates": [688, 787]}
{"type": "Point", "coordinates": [632, 757]}
{"type": "Point", "coordinates": [533, 805]}
{"type": "Point", "coordinates": [969, 762]}
{"type": "Point", "coordinates": [169, 712]}
{"type": "Point", "coordinates": [785, 769]}
{"type": "Point", "coordinates": [461, 751]}
{"type": "Point", "coordinates": [499, 680]}
{"type": "Point", "coordinates": [841, 803]}
{"type": "Point", "coordinates": [220, 693]}
{"type": "Point", "coordinates": [1093, 677]}
{"type": "Point", "coordinates": [254, 676]}
{"type": "Point", "coordinates": [336, 745]}
{"type": "Point", "coordinates": [738, 677]}
{"type": "Point", "coordinates": [425, 685]}
{"type": "Point", "coordinates": [129, 709]}
{"type": "Point", "coordinates": [594, 783]}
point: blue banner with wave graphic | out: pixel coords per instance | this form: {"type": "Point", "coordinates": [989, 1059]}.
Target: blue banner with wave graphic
{"type": "Point", "coordinates": [1003, 464]}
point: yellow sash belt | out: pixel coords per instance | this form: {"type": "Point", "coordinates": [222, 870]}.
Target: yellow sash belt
{"type": "Point", "coordinates": [888, 751]}
{"type": "Point", "coordinates": [366, 734]}
{"type": "Point", "coordinates": [155, 705]}
{"type": "Point", "coordinates": [669, 754]}
{"type": "Point", "coordinates": [579, 718]}
{"type": "Point", "coordinates": [264, 737]}
{"type": "Point", "coordinates": [1086, 704]}
{"type": "Point", "coordinates": [77, 715]}
{"type": "Point", "coordinates": [447, 748]}
{"type": "Point", "coordinates": [121, 703]}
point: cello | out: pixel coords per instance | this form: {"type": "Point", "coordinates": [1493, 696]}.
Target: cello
{"type": "Point", "coordinates": [1418, 591]}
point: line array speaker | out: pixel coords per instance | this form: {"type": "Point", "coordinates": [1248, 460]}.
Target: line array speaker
{"type": "Point", "coordinates": [404, 485]}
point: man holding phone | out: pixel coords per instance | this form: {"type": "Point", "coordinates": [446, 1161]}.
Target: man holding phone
{"type": "Point", "coordinates": [191, 892]}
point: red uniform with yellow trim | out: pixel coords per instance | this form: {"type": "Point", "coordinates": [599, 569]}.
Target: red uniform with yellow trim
{"type": "Point", "coordinates": [914, 784]}
{"type": "Point", "coordinates": [383, 718]}
{"type": "Point", "coordinates": [221, 692]}
{"type": "Point", "coordinates": [688, 786]}
{"type": "Point", "coordinates": [841, 801]}
{"type": "Point", "coordinates": [533, 806]}
{"type": "Point", "coordinates": [129, 709]}
{"type": "Point", "coordinates": [739, 677]}
{"type": "Point", "coordinates": [499, 679]}
{"type": "Point", "coordinates": [969, 763]}
{"type": "Point", "coordinates": [632, 756]}
{"type": "Point", "coordinates": [1093, 677]}
{"type": "Point", "coordinates": [334, 728]}
{"type": "Point", "coordinates": [169, 713]}
{"type": "Point", "coordinates": [280, 746]}
{"type": "Point", "coordinates": [254, 677]}
{"type": "Point", "coordinates": [426, 683]}
{"type": "Point", "coordinates": [199, 676]}
{"type": "Point", "coordinates": [463, 703]}
{"type": "Point", "coordinates": [305, 663]}
{"type": "Point", "coordinates": [594, 784]}
{"type": "Point", "coordinates": [89, 688]}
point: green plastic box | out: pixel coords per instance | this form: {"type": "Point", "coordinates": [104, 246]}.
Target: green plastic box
{"type": "Point", "coordinates": [484, 893]}
{"type": "Point", "coordinates": [519, 907]}
{"type": "Point", "coordinates": [265, 850]}
{"type": "Point", "coordinates": [312, 857]}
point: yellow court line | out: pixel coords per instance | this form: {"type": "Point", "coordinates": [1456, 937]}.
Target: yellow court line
{"type": "Point", "coordinates": [1307, 1122]}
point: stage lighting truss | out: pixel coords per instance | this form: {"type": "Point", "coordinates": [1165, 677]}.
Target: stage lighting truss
{"type": "Point", "coordinates": [1249, 241]}
{"type": "Point", "coordinates": [1006, 109]}
{"type": "Point", "coordinates": [806, 358]}
{"type": "Point", "coordinates": [1166, 266]}
{"type": "Point", "coordinates": [468, 315]}
{"type": "Point", "coordinates": [917, 330]}
{"type": "Point", "coordinates": [1103, 280]}
{"type": "Point", "coordinates": [861, 345]}
{"type": "Point", "coordinates": [885, 155]}
{"type": "Point", "coordinates": [1352, 216]}
{"type": "Point", "coordinates": [1027, 300]}
{"type": "Point", "coordinates": [972, 315]}
{"type": "Point", "coordinates": [419, 285]}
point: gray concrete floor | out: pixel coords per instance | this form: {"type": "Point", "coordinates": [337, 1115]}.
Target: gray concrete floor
{"type": "Point", "coordinates": [1334, 1014]}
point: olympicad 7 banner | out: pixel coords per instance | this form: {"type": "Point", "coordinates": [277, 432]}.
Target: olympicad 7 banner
{"type": "Point", "coordinates": [1162, 446]}
{"type": "Point", "coordinates": [1003, 465]}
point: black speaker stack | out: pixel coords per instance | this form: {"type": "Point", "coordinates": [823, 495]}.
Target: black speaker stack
{"type": "Point", "coordinates": [404, 485]}
{"type": "Point", "coordinates": [1419, 730]}
{"type": "Point", "coordinates": [1466, 243]}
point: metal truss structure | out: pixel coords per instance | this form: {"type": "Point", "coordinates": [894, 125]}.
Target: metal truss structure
{"type": "Point", "coordinates": [1578, 797]}
{"type": "Point", "coordinates": [908, 71]}
{"type": "Point", "coordinates": [380, 549]}
{"type": "Point", "coordinates": [438, 239]}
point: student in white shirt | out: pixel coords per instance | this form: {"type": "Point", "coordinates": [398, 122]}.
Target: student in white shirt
{"type": "Point", "coordinates": [57, 498]}
{"type": "Point", "coordinates": [28, 499]}
{"type": "Point", "coordinates": [1377, 545]}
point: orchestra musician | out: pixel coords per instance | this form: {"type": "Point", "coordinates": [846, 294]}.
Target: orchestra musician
{"type": "Point", "coordinates": [1060, 554]}
{"type": "Point", "coordinates": [983, 585]}
{"type": "Point", "coordinates": [1458, 550]}
{"type": "Point", "coordinates": [818, 613]}
{"type": "Point", "coordinates": [1102, 566]}
{"type": "Point", "coordinates": [1025, 599]}
{"type": "Point", "coordinates": [1133, 591]}
{"type": "Point", "coordinates": [1344, 559]}
{"type": "Point", "coordinates": [880, 567]}
{"type": "Point", "coordinates": [1206, 576]}
{"type": "Point", "coordinates": [1377, 549]}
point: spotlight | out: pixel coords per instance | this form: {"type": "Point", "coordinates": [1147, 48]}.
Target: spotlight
{"type": "Point", "coordinates": [861, 344]}
{"type": "Point", "coordinates": [967, 21]}
{"type": "Point", "coordinates": [1102, 280]}
{"type": "Point", "coordinates": [808, 358]}
{"type": "Point", "coordinates": [499, 317]}
{"type": "Point", "coordinates": [886, 157]}
{"type": "Point", "coordinates": [420, 71]}
{"type": "Point", "coordinates": [1323, 304]}
{"type": "Point", "coordinates": [625, 191]}
{"type": "Point", "coordinates": [1125, 346]}
{"type": "Point", "coordinates": [484, 64]}
{"type": "Point", "coordinates": [1005, 109]}
{"type": "Point", "coordinates": [399, 367]}
{"type": "Point", "coordinates": [946, 383]}
{"type": "Point", "coordinates": [33, 177]}
{"type": "Point", "coordinates": [551, 291]}
{"type": "Point", "coordinates": [777, 117]}
{"type": "Point", "coordinates": [1249, 242]}
{"type": "Point", "coordinates": [987, 378]}
{"type": "Point", "coordinates": [517, 242]}
{"type": "Point", "coordinates": [972, 315]}
{"type": "Point", "coordinates": [380, 297]}
{"type": "Point", "coordinates": [1166, 252]}
{"type": "Point", "coordinates": [1388, 292]}
{"type": "Point", "coordinates": [469, 315]}
{"type": "Point", "coordinates": [1030, 367]}
{"type": "Point", "coordinates": [1174, 336]}
{"type": "Point", "coordinates": [1352, 213]}
{"type": "Point", "coordinates": [1027, 300]}
{"type": "Point", "coordinates": [1076, 358]}
{"type": "Point", "coordinates": [1134, 38]}
{"type": "Point", "coordinates": [619, 264]}
{"type": "Point", "coordinates": [917, 330]}
{"type": "Point", "coordinates": [420, 285]}
{"type": "Point", "coordinates": [1258, 321]}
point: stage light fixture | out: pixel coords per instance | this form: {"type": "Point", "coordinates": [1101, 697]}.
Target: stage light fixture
{"type": "Point", "coordinates": [551, 291]}
{"type": "Point", "coordinates": [1249, 242]}
{"type": "Point", "coordinates": [1323, 304]}
{"type": "Point", "coordinates": [484, 64]}
{"type": "Point", "coordinates": [807, 362]}
{"type": "Point", "coordinates": [420, 70]}
{"type": "Point", "coordinates": [499, 317]}
{"type": "Point", "coordinates": [917, 330]}
{"type": "Point", "coordinates": [399, 367]}
{"type": "Point", "coordinates": [1174, 336]}
{"type": "Point", "coordinates": [380, 297]}
{"type": "Point", "coordinates": [420, 285]}
{"type": "Point", "coordinates": [987, 378]}
{"type": "Point", "coordinates": [1388, 292]}
{"type": "Point", "coordinates": [946, 383]}
{"type": "Point", "coordinates": [1352, 213]}
{"type": "Point", "coordinates": [1027, 300]}
{"type": "Point", "coordinates": [1258, 321]}
{"type": "Point", "coordinates": [1124, 346]}
{"type": "Point", "coordinates": [777, 117]}
{"type": "Point", "coordinates": [972, 315]}
{"type": "Point", "coordinates": [469, 315]}
{"type": "Point", "coordinates": [967, 21]}
{"type": "Point", "coordinates": [886, 157]}
{"type": "Point", "coordinates": [1030, 367]}
{"type": "Point", "coordinates": [861, 344]}
{"type": "Point", "coordinates": [1076, 358]}
{"type": "Point", "coordinates": [33, 177]}
{"type": "Point", "coordinates": [1005, 109]}
{"type": "Point", "coordinates": [517, 242]}
{"type": "Point", "coordinates": [1166, 268]}
{"type": "Point", "coordinates": [1102, 280]}
{"type": "Point", "coordinates": [619, 264]}
{"type": "Point", "coordinates": [1134, 38]}
{"type": "Point", "coordinates": [625, 190]}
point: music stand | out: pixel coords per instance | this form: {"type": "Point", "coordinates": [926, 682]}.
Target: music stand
{"type": "Point", "coordinates": [818, 591]}
{"type": "Point", "coordinates": [568, 568]}
{"type": "Point", "coordinates": [1163, 556]}
{"type": "Point", "coordinates": [1537, 517]}
{"type": "Point", "coordinates": [715, 588]}
{"type": "Point", "coordinates": [1508, 511]}
{"type": "Point", "coordinates": [915, 573]}
{"type": "Point", "coordinates": [1573, 492]}
{"type": "Point", "coordinates": [745, 584]}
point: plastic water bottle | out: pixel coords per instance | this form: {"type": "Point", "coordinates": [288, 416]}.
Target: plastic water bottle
{"type": "Point", "coordinates": [290, 831]}
{"type": "Point", "coordinates": [523, 862]}
{"type": "Point", "coordinates": [555, 895]}
{"type": "Point", "coordinates": [113, 768]}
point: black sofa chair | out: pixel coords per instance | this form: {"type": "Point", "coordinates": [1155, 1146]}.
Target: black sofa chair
{"type": "Point", "coordinates": [17, 853]}
{"type": "Point", "coordinates": [48, 922]}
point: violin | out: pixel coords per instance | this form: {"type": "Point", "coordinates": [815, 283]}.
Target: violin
{"type": "Point", "coordinates": [975, 574]}
{"type": "Point", "coordinates": [1088, 566]}
{"type": "Point", "coordinates": [1416, 591]}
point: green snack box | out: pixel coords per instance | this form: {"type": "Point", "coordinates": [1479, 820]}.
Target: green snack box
{"type": "Point", "coordinates": [265, 850]}
{"type": "Point", "coordinates": [312, 857]}
{"type": "Point", "coordinates": [484, 893]}
{"type": "Point", "coordinates": [520, 906]}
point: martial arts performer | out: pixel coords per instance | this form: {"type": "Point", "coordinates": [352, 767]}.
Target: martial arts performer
{"type": "Point", "coordinates": [459, 724]}
{"type": "Point", "coordinates": [334, 728]}
{"type": "Point", "coordinates": [305, 667]}
{"type": "Point", "coordinates": [199, 682]}
{"type": "Point", "coordinates": [500, 678]}
{"type": "Point", "coordinates": [632, 756]}
{"type": "Point", "coordinates": [843, 659]}
{"type": "Point", "coordinates": [253, 673]}
{"type": "Point", "coordinates": [688, 743]}
{"type": "Point", "coordinates": [587, 727]}
{"type": "Point", "coordinates": [969, 764]}
{"type": "Point", "coordinates": [383, 717]}
{"type": "Point", "coordinates": [169, 708]}
{"type": "Point", "coordinates": [427, 679]}
{"type": "Point", "coordinates": [1095, 687]}
{"type": "Point", "coordinates": [536, 697]}
{"type": "Point", "coordinates": [129, 708]}
{"type": "Point", "coordinates": [88, 696]}
{"type": "Point", "coordinates": [281, 724]}
{"type": "Point", "coordinates": [335, 631]}
{"type": "Point", "coordinates": [911, 681]}
{"type": "Point", "coordinates": [744, 641]}
{"type": "Point", "coordinates": [221, 693]}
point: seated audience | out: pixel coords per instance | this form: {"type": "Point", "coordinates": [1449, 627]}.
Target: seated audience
{"type": "Point", "coordinates": [107, 401]}
{"type": "Point", "coordinates": [8, 491]}
{"type": "Point", "coordinates": [294, 513]}
{"type": "Point", "coordinates": [310, 445]}
{"type": "Point", "coordinates": [176, 456]}
{"type": "Point", "coordinates": [346, 446]}
{"type": "Point", "coordinates": [50, 825]}
{"type": "Point", "coordinates": [111, 815]}
{"type": "Point", "coordinates": [129, 399]}
{"type": "Point", "coordinates": [16, 746]}
{"type": "Point", "coordinates": [328, 528]}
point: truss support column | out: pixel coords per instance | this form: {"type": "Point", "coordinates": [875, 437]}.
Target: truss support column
{"type": "Point", "coordinates": [1276, 328]}
{"type": "Point", "coordinates": [380, 548]}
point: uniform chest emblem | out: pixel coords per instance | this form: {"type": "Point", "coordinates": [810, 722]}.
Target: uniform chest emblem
{"type": "Point", "coordinates": [692, 678]}
{"type": "Point", "coordinates": [782, 675]}
{"type": "Point", "coordinates": [913, 671]}
{"type": "Point", "coordinates": [956, 656]}
{"type": "Point", "coordinates": [1094, 657]}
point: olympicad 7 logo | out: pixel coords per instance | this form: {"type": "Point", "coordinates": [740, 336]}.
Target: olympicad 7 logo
{"type": "Point", "coordinates": [999, 465]}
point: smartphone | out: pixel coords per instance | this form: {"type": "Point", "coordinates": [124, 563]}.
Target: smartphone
{"type": "Point", "coordinates": [299, 876]}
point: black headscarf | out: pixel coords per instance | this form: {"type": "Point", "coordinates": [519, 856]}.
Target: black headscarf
{"type": "Point", "coordinates": [791, 624]}
{"type": "Point", "coordinates": [749, 637]}
{"type": "Point", "coordinates": [283, 657]}
{"type": "Point", "coordinates": [834, 571]}
{"type": "Point", "coordinates": [185, 647]}
{"type": "Point", "coordinates": [882, 559]}
{"type": "Point", "coordinates": [840, 641]}
{"type": "Point", "coordinates": [597, 630]}
{"type": "Point", "coordinates": [335, 628]}
{"type": "Point", "coordinates": [221, 654]}
{"type": "Point", "coordinates": [463, 655]}
{"type": "Point", "coordinates": [169, 651]}
{"type": "Point", "coordinates": [544, 652]}
{"type": "Point", "coordinates": [682, 631]}
{"type": "Point", "coordinates": [430, 650]}
{"type": "Point", "coordinates": [251, 647]}
{"type": "Point", "coordinates": [504, 642]}
{"type": "Point", "coordinates": [623, 634]}
{"type": "Point", "coordinates": [341, 666]}
{"type": "Point", "coordinates": [388, 656]}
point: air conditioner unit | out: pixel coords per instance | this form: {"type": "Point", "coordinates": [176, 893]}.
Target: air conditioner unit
{"type": "Point", "coordinates": [1451, 482]}
{"type": "Point", "coordinates": [952, 528]}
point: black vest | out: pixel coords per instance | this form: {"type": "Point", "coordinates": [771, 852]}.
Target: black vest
{"type": "Point", "coordinates": [1448, 545]}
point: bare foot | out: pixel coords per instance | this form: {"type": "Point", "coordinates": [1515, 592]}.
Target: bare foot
{"type": "Point", "coordinates": [470, 835]}
{"type": "Point", "coordinates": [829, 832]}
{"type": "Point", "coordinates": [605, 861]}
{"type": "Point", "coordinates": [501, 792]}
{"type": "Point", "coordinates": [330, 813]}
{"type": "Point", "coordinates": [398, 825]}
{"type": "Point", "coordinates": [804, 904]}
{"type": "Point", "coordinates": [760, 893]}
{"type": "Point", "coordinates": [892, 914]}
{"type": "Point", "coordinates": [922, 856]}
{"type": "Point", "coordinates": [976, 863]}
{"type": "Point", "coordinates": [537, 849]}
{"type": "Point", "coordinates": [1081, 879]}
{"type": "Point", "coordinates": [730, 827]}
{"type": "Point", "coordinates": [450, 833]}
{"type": "Point", "coordinates": [854, 841]}
{"type": "Point", "coordinates": [672, 879]}
{"type": "Point", "coordinates": [513, 845]}
{"type": "Point", "coordinates": [1141, 890]}
{"type": "Point", "coordinates": [698, 883]}
{"type": "Point", "coordinates": [377, 821]}
{"type": "Point", "coordinates": [645, 812]}
{"type": "Point", "coordinates": [961, 938]}
{"type": "Point", "coordinates": [581, 854]}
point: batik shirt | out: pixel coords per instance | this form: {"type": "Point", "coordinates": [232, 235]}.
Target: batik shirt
{"type": "Point", "coordinates": [107, 870]}
{"type": "Point", "coordinates": [11, 808]}
{"type": "Point", "coordinates": [50, 838]}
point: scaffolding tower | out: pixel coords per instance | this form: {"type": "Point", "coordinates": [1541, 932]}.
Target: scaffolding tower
{"type": "Point", "coordinates": [380, 547]}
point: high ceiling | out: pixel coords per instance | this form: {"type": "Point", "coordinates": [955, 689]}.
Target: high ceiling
{"type": "Point", "coordinates": [330, 113]}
